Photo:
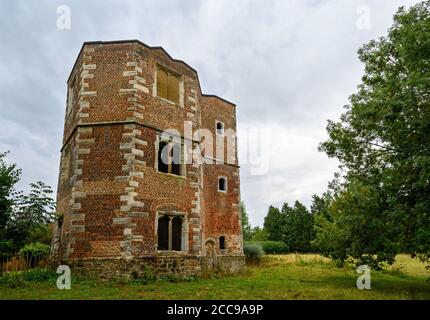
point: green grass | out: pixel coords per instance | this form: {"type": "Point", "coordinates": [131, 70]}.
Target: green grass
{"type": "Point", "coordinates": [276, 277]}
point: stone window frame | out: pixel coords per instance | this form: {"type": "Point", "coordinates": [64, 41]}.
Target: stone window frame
{"type": "Point", "coordinates": [172, 139]}
{"type": "Point", "coordinates": [65, 163]}
{"type": "Point", "coordinates": [225, 250]}
{"type": "Point", "coordinates": [226, 184]}
{"type": "Point", "coordinates": [216, 128]}
{"type": "Point", "coordinates": [185, 230]}
{"type": "Point", "coordinates": [159, 66]}
{"type": "Point", "coordinates": [71, 94]}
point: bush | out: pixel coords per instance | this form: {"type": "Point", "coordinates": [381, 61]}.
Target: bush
{"type": "Point", "coordinates": [21, 278]}
{"type": "Point", "coordinates": [144, 276]}
{"type": "Point", "coordinates": [11, 279]}
{"type": "Point", "coordinates": [253, 252]}
{"type": "Point", "coordinates": [273, 247]}
{"type": "Point", "coordinates": [38, 275]}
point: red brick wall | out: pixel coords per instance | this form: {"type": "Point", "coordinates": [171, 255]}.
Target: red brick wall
{"type": "Point", "coordinates": [222, 217]}
{"type": "Point", "coordinates": [109, 189]}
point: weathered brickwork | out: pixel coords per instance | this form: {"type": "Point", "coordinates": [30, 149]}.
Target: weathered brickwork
{"type": "Point", "coordinates": [111, 193]}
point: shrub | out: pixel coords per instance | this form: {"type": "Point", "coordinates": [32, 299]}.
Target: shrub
{"type": "Point", "coordinates": [11, 279]}
{"type": "Point", "coordinates": [21, 278]}
{"type": "Point", "coordinates": [273, 247]}
{"type": "Point", "coordinates": [253, 252]}
{"type": "Point", "coordinates": [38, 275]}
{"type": "Point", "coordinates": [144, 276]}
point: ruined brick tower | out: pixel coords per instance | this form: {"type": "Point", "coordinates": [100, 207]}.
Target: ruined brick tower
{"type": "Point", "coordinates": [131, 193]}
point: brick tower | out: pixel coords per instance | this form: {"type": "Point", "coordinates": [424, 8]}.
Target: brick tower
{"type": "Point", "coordinates": [149, 176]}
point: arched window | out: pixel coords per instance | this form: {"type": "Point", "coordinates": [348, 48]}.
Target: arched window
{"type": "Point", "coordinates": [222, 184]}
{"type": "Point", "coordinates": [163, 233]}
{"type": "Point", "coordinates": [219, 127]}
{"type": "Point", "coordinates": [222, 243]}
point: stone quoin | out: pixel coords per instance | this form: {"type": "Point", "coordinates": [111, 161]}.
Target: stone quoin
{"type": "Point", "coordinates": [149, 176]}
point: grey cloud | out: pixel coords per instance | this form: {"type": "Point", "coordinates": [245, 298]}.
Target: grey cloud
{"type": "Point", "coordinates": [286, 64]}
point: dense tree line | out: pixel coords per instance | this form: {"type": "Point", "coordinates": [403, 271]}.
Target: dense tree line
{"type": "Point", "coordinates": [293, 225]}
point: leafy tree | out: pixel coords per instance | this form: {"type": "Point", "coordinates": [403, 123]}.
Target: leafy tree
{"type": "Point", "coordinates": [37, 208]}
{"type": "Point", "coordinates": [35, 252]}
{"type": "Point", "coordinates": [23, 218]}
{"type": "Point", "coordinates": [9, 176]}
{"type": "Point", "coordinates": [259, 234]}
{"type": "Point", "coordinates": [382, 142]}
{"type": "Point", "coordinates": [320, 205]}
{"type": "Point", "coordinates": [298, 229]}
{"type": "Point", "coordinates": [358, 229]}
{"type": "Point", "coordinates": [246, 226]}
{"type": "Point", "coordinates": [40, 233]}
{"type": "Point", "coordinates": [273, 223]}
{"type": "Point", "coordinates": [32, 213]}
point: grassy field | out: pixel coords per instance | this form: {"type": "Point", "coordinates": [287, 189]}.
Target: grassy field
{"type": "Point", "coordinates": [277, 277]}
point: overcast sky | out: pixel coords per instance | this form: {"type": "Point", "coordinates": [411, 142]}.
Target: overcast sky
{"type": "Point", "coordinates": [289, 65]}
